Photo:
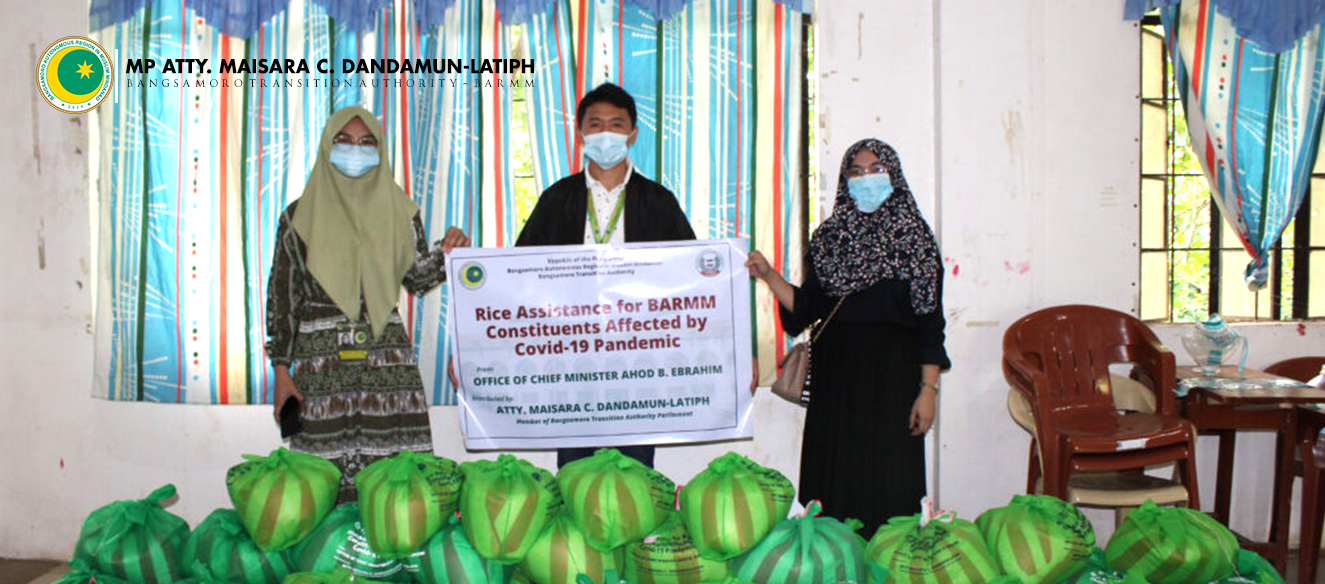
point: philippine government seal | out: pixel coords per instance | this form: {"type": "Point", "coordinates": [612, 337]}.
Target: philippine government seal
{"type": "Point", "coordinates": [709, 263]}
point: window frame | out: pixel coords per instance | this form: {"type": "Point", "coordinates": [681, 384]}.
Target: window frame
{"type": "Point", "coordinates": [1295, 308]}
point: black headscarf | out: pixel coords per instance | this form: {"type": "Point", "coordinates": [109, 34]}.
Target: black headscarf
{"type": "Point", "coordinates": [852, 250]}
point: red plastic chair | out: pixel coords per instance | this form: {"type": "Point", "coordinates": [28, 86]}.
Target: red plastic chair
{"type": "Point", "coordinates": [1059, 358]}
{"type": "Point", "coordinates": [1308, 466]}
{"type": "Point", "coordinates": [1300, 368]}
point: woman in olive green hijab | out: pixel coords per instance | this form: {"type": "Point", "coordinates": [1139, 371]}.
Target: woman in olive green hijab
{"type": "Point", "coordinates": [335, 339]}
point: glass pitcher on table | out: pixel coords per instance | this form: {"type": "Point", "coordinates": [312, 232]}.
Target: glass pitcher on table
{"type": "Point", "coordinates": [1212, 343]}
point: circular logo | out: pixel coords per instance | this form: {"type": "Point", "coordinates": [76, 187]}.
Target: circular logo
{"type": "Point", "coordinates": [472, 275]}
{"type": "Point", "coordinates": [75, 74]}
{"type": "Point", "coordinates": [709, 263]}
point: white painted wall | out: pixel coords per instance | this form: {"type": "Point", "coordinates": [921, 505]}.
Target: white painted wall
{"type": "Point", "coordinates": [1016, 124]}
{"type": "Point", "coordinates": [1038, 159]}
{"type": "Point", "coordinates": [876, 79]}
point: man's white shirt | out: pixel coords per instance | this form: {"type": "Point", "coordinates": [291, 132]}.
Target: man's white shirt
{"type": "Point", "coordinates": [604, 202]}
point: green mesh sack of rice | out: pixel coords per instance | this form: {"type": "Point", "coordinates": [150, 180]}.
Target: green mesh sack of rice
{"type": "Point", "coordinates": [729, 579]}
{"type": "Point", "coordinates": [137, 541]}
{"type": "Point", "coordinates": [609, 577]}
{"type": "Point", "coordinates": [615, 499]}
{"type": "Point", "coordinates": [1253, 569]}
{"type": "Point", "coordinates": [505, 506]}
{"type": "Point", "coordinates": [1097, 571]}
{"type": "Point", "coordinates": [199, 580]}
{"type": "Point", "coordinates": [337, 576]}
{"type": "Point", "coordinates": [201, 575]}
{"type": "Point", "coordinates": [448, 558]}
{"type": "Point", "coordinates": [81, 573]}
{"type": "Point", "coordinates": [733, 504]}
{"type": "Point", "coordinates": [668, 556]}
{"type": "Point", "coordinates": [1172, 545]}
{"type": "Point", "coordinates": [405, 499]}
{"type": "Point", "coordinates": [918, 549]}
{"type": "Point", "coordinates": [221, 549]}
{"type": "Point", "coordinates": [805, 550]}
{"type": "Point", "coordinates": [877, 576]}
{"type": "Point", "coordinates": [1038, 538]}
{"type": "Point", "coordinates": [340, 542]}
{"type": "Point", "coordinates": [563, 553]}
{"type": "Point", "coordinates": [282, 497]}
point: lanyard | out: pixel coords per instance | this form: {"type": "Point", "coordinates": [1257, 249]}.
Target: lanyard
{"type": "Point", "coordinates": [605, 236]}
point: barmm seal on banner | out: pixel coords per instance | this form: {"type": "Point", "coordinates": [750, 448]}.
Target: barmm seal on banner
{"type": "Point", "coordinates": [472, 275]}
{"type": "Point", "coordinates": [75, 74]}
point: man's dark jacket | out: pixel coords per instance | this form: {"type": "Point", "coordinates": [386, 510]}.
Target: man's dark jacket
{"type": "Point", "coordinates": [651, 213]}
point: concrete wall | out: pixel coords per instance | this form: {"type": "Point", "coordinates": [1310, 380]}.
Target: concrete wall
{"type": "Point", "coordinates": [1016, 123]}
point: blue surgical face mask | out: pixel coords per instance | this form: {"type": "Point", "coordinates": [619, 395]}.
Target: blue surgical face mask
{"type": "Point", "coordinates": [354, 161]}
{"type": "Point", "coordinates": [870, 191]}
{"type": "Point", "coordinates": [606, 149]}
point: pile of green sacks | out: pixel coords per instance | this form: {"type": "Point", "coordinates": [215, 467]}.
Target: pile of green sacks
{"type": "Point", "coordinates": [1037, 539]}
{"type": "Point", "coordinates": [608, 519]}
{"type": "Point", "coordinates": [284, 524]}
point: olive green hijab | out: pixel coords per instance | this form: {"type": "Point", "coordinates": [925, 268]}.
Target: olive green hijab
{"type": "Point", "coordinates": [358, 231]}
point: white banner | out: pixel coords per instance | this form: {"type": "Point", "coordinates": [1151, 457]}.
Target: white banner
{"type": "Point", "coordinates": [601, 345]}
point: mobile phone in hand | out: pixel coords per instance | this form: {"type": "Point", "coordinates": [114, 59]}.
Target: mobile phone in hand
{"type": "Point", "coordinates": [291, 423]}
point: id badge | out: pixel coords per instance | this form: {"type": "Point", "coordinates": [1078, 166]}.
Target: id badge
{"type": "Point", "coordinates": [351, 338]}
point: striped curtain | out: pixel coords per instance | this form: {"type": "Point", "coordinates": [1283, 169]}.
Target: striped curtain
{"type": "Point", "coordinates": [190, 181]}
{"type": "Point", "coordinates": [719, 93]}
{"type": "Point", "coordinates": [1254, 117]}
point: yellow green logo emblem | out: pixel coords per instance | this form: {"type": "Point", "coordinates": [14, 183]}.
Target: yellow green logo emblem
{"type": "Point", "coordinates": [472, 275]}
{"type": "Point", "coordinates": [75, 74]}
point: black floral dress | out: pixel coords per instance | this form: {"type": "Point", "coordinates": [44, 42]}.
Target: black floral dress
{"type": "Point", "coordinates": [858, 456]}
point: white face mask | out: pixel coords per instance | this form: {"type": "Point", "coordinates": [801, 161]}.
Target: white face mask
{"type": "Point", "coordinates": [354, 161]}
{"type": "Point", "coordinates": [606, 149]}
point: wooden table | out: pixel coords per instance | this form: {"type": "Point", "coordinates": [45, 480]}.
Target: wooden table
{"type": "Point", "coordinates": [1224, 412]}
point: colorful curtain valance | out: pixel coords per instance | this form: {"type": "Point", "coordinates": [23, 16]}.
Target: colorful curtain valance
{"type": "Point", "coordinates": [240, 19]}
{"type": "Point", "coordinates": [190, 179]}
{"type": "Point", "coordinates": [1274, 25]}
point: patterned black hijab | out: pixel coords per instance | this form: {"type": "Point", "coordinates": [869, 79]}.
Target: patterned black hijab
{"type": "Point", "coordinates": [850, 250]}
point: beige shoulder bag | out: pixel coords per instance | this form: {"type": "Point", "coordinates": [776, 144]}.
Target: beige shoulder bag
{"type": "Point", "coordinates": [793, 382]}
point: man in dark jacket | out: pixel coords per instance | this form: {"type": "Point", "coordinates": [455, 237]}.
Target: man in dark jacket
{"type": "Point", "coordinates": [610, 203]}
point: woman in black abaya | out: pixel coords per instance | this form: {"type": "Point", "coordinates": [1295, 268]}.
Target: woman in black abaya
{"type": "Point", "coordinates": [875, 369]}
